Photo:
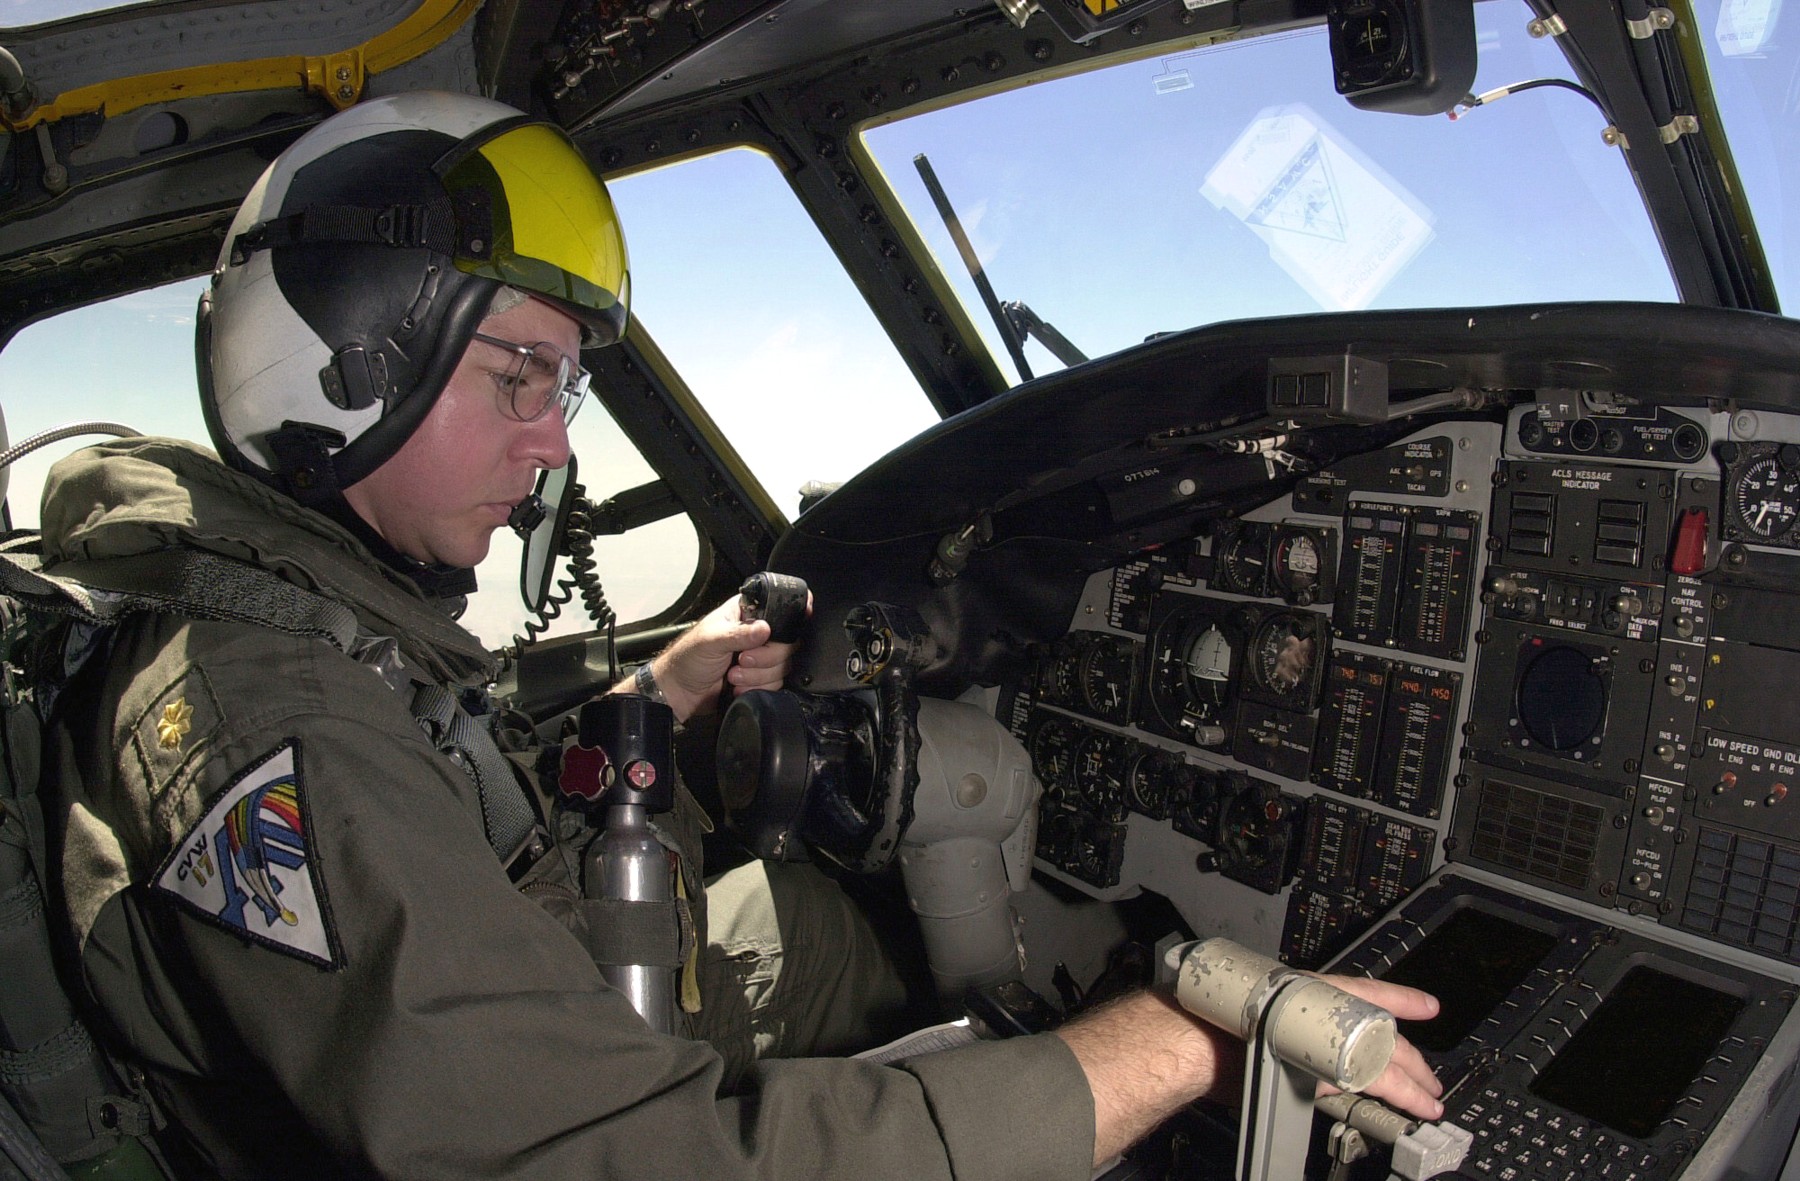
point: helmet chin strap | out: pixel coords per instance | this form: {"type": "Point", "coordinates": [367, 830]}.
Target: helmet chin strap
{"type": "Point", "coordinates": [435, 580]}
{"type": "Point", "coordinates": [306, 473]}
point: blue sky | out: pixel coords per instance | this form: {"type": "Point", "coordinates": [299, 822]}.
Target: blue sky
{"type": "Point", "coordinates": [14, 13]}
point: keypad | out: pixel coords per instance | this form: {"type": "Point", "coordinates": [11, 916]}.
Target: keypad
{"type": "Point", "coordinates": [1517, 1139]}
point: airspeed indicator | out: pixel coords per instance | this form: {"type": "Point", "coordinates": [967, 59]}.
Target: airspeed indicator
{"type": "Point", "coordinates": [1766, 500]}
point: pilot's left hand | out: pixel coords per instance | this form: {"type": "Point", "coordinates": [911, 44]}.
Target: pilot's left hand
{"type": "Point", "coordinates": [1407, 1083]}
{"type": "Point", "coordinates": [694, 669]}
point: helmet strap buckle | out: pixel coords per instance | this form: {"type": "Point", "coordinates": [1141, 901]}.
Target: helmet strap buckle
{"type": "Point", "coordinates": [401, 225]}
{"type": "Point", "coordinates": [303, 461]}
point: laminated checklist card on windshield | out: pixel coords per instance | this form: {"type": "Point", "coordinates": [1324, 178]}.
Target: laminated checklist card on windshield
{"type": "Point", "coordinates": [1330, 217]}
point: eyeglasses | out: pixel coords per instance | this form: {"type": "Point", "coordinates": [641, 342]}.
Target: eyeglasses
{"type": "Point", "coordinates": [541, 374]}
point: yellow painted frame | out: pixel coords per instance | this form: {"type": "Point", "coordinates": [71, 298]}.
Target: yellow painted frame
{"type": "Point", "coordinates": [338, 77]}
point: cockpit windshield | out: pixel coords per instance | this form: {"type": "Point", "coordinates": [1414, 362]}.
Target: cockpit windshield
{"type": "Point", "coordinates": [1231, 181]}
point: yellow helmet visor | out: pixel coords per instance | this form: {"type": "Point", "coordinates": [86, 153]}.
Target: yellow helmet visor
{"type": "Point", "coordinates": [532, 214]}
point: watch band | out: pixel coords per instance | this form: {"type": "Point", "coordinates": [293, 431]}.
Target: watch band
{"type": "Point", "coordinates": [645, 682]}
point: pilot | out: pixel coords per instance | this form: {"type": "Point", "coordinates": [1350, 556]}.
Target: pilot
{"type": "Point", "coordinates": [329, 947]}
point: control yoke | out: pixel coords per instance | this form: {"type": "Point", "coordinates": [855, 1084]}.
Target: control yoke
{"type": "Point", "coordinates": [865, 778]}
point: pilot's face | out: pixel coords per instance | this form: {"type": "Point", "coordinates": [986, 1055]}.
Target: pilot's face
{"type": "Point", "coordinates": [442, 495]}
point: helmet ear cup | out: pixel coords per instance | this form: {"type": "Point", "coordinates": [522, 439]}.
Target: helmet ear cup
{"type": "Point", "coordinates": [458, 315]}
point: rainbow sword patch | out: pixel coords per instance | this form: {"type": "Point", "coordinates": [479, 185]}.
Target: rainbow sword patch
{"type": "Point", "coordinates": [246, 865]}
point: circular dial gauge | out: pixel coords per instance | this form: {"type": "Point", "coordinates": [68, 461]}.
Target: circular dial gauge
{"type": "Point", "coordinates": [1298, 565]}
{"type": "Point", "coordinates": [1156, 778]}
{"type": "Point", "coordinates": [1057, 836]}
{"type": "Point", "coordinates": [1192, 663]}
{"type": "Point", "coordinates": [1061, 678]}
{"type": "Point", "coordinates": [1053, 755]}
{"type": "Point", "coordinates": [1241, 561]}
{"type": "Point", "coordinates": [1093, 857]}
{"type": "Point", "coordinates": [1100, 774]}
{"type": "Point", "coordinates": [1106, 674]}
{"type": "Point", "coordinates": [1282, 654]}
{"type": "Point", "coordinates": [1766, 500]}
{"type": "Point", "coordinates": [1251, 825]}
{"type": "Point", "coordinates": [1207, 664]}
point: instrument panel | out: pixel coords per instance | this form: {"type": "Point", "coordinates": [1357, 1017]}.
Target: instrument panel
{"type": "Point", "coordinates": [1475, 653]}
{"type": "Point", "coordinates": [1468, 676]}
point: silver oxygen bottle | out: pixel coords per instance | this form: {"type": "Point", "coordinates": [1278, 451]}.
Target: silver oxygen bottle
{"type": "Point", "coordinates": [621, 771]}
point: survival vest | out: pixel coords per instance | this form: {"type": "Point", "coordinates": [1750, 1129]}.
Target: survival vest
{"type": "Point", "coordinates": [68, 1108]}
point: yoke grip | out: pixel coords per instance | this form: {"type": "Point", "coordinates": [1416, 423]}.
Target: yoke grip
{"type": "Point", "coordinates": [778, 598]}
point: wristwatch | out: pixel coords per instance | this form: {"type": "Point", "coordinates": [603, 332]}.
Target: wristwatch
{"type": "Point", "coordinates": [645, 682]}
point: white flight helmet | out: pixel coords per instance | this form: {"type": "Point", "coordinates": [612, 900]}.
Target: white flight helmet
{"type": "Point", "coordinates": [362, 262]}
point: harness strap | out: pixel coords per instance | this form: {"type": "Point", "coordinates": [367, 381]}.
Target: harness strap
{"type": "Point", "coordinates": [68, 1049]}
{"type": "Point", "coordinates": [432, 226]}
{"type": "Point", "coordinates": [198, 585]}
{"type": "Point", "coordinates": [469, 743]}
{"type": "Point", "coordinates": [21, 907]}
{"type": "Point", "coordinates": [177, 582]}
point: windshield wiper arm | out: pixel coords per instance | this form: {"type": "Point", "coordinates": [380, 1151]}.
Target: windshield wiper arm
{"type": "Point", "coordinates": [1029, 323]}
{"type": "Point", "coordinates": [1015, 321]}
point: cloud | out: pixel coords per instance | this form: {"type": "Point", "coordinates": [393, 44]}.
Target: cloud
{"type": "Point", "coordinates": [808, 398]}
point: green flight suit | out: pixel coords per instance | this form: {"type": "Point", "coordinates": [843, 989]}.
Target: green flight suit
{"type": "Point", "coordinates": [285, 908]}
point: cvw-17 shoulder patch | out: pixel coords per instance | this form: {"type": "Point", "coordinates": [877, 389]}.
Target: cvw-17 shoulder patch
{"type": "Point", "coordinates": [247, 865]}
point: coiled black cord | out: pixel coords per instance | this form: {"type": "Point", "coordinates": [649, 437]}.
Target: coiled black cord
{"type": "Point", "coordinates": [584, 575]}
{"type": "Point", "coordinates": [578, 547]}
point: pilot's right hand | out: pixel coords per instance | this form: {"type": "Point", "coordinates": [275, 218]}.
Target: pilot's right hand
{"type": "Point", "coordinates": [721, 649]}
{"type": "Point", "coordinates": [1407, 1083]}
{"type": "Point", "coordinates": [1145, 1058]}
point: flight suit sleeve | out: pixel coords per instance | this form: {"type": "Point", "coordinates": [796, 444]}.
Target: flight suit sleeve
{"type": "Point", "coordinates": [371, 996]}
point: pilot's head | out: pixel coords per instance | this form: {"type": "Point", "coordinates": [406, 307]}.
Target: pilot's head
{"type": "Point", "coordinates": [350, 298]}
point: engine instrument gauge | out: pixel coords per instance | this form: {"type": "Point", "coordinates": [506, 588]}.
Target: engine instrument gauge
{"type": "Point", "coordinates": [1100, 773]}
{"type": "Point", "coordinates": [1240, 552]}
{"type": "Point", "coordinates": [1099, 848]}
{"type": "Point", "coordinates": [1284, 660]}
{"type": "Point", "coordinates": [1157, 780]}
{"type": "Point", "coordinates": [1194, 805]}
{"type": "Point", "coordinates": [1303, 564]}
{"type": "Point", "coordinates": [1258, 836]}
{"type": "Point", "coordinates": [1053, 746]}
{"type": "Point", "coordinates": [1108, 667]}
{"type": "Point", "coordinates": [1060, 678]}
{"type": "Point", "coordinates": [1765, 498]}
